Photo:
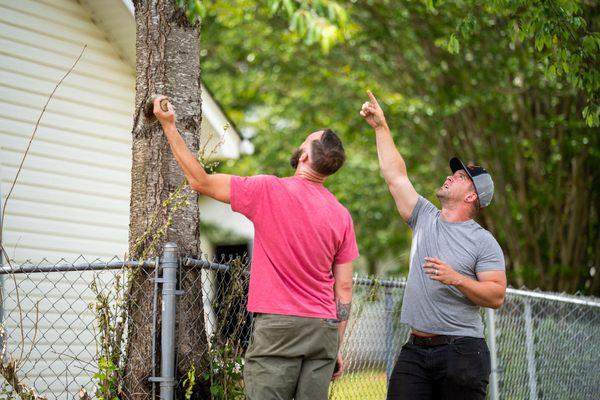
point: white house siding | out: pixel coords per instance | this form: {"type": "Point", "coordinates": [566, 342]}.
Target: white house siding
{"type": "Point", "coordinates": [72, 196]}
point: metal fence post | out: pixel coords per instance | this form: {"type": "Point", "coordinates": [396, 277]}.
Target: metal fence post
{"type": "Point", "coordinates": [389, 334]}
{"type": "Point", "coordinates": [170, 265]}
{"type": "Point", "coordinates": [491, 325]}
{"type": "Point", "coordinates": [531, 369]}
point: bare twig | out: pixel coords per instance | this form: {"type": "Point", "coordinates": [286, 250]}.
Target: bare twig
{"type": "Point", "coordinates": [9, 372]}
{"type": "Point", "coordinates": [19, 307]}
{"type": "Point", "coordinates": [33, 136]}
{"type": "Point", "coordinates": [74, 358]}
{"type": "Point", "coordinates": [35, 333]}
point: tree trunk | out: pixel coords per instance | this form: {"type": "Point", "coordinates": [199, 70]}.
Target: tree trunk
{"type": "Point", "coordinates": [162, 210]}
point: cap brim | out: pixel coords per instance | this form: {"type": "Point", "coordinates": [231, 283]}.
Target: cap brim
{"type": "Point", "coordinates": [456, 164]}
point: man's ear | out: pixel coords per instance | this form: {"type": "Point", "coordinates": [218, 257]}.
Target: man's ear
{"type": "Point", "coordinates": [304, 157]}
{"type": "Point", "coordinates": [471, 197]}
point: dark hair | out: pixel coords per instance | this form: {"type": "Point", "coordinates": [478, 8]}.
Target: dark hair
{"type": "Point", "coordinates": [327, 153]}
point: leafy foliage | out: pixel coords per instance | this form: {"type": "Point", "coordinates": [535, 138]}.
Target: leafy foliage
{"type": "Point", "coordinates": [106, 376]}
{"type": "Point", "coordinates": [502, 83]}
{"type": "Point", "coordinates": [313, 21]}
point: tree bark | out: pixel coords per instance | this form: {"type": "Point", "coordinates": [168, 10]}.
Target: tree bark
{"type": "Point", "coordinates": [167, 63]}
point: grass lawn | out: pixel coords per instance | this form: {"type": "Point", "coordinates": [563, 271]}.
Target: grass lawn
{"type": "Point", "coordinates": [363, 385]}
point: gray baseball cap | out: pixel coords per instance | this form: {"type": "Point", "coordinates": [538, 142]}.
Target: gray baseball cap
{"type": "Point", "coordinates": [482, 180]}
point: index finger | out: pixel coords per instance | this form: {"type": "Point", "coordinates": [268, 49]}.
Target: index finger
{"type": "Point", "coordinates": [372, 97]}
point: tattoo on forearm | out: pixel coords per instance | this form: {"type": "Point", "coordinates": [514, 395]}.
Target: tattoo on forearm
{"type": "Point", "coordinates": [343, 310]}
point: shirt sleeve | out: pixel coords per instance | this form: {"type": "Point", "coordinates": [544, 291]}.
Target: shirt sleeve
{"type": "Point", "coordinates": [491, 257]}
{"type": "Point", "coordinates": [423, 210]}
{"type": "Point", "coordinates": [247, 193]}
{"type": "Point", "coordinates": [348, 250]}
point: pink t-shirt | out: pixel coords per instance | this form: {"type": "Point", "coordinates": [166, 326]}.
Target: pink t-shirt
{"type": "Point", "coordinates": [300, 231]}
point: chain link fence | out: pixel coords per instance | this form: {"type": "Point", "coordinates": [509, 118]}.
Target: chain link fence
{"type": "Point", "coordinates": [67, 329]}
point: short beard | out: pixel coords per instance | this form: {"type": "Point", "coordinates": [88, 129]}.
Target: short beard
{"type": "Point", "coordinates": [295, 158]}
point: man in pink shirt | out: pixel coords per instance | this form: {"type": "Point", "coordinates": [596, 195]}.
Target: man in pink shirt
{"type": "Point", "coordinates": [301, 277]}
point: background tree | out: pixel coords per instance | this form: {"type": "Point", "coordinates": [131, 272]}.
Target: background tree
{"type": "Point", "coordinates": [512, 85]}
{"type": "Point", "coordinates": [162, 208]}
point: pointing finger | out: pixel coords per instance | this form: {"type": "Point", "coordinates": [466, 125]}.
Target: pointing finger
{"type": "Point", "coordinates": [372, 97]}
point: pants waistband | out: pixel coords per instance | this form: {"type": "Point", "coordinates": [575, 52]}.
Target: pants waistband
{"type": "Point", "coordinates": [431, 341]}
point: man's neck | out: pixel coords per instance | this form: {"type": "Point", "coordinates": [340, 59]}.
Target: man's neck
{"type": "Point", "coordinates": [455, 214]}
{"type": "Point", "coordinates": [310, 175]}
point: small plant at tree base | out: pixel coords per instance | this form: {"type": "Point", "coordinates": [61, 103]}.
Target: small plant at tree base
{"type": "Point", "coordinates": [111, 320]}
{"type": "Point", "coordinates": [225, 374]}
{"type": "Point", "coordinates": [190, 382]}
{"type": "Point", "coordinates": [7, 392]}
{"type": "Point", "coordinates": [106, 377]}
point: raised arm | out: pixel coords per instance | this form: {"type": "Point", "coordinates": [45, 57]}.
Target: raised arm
{"type": "Point", "coordinates": [342, 290]}
{"type": "Point", "coordinates": [391, 162]}
{"type": "Point", "coordinates": [216, 186]}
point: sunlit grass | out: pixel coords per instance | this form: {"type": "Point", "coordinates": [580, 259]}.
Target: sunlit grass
{"type": "Point", "coordinates": [363, 385]}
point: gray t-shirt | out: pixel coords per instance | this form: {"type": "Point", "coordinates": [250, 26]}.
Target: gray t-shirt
{"type": "Point", "coordinates": [431, 306]}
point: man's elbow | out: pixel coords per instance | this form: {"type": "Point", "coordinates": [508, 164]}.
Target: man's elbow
{"type": "Point", "coordinates": [345, 286]}
{"type": "Point", "coordinates": [498, 302]}
{"type": "Point", "coordinates": [391, 177]}
{"type": "Point", "coordinates": [343, 289]}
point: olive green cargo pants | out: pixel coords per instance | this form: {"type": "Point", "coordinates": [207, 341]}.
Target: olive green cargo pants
{"type": "Point", "coordinates": [290, 358]}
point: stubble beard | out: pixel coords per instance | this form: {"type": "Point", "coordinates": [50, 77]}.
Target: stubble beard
{"type": "Point", "coordinates": [442, 194]}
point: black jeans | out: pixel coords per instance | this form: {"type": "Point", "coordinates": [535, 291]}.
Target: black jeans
{"type": "Point", "coordinates": [459, 370]}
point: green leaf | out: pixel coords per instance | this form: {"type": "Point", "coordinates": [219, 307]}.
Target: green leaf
{"type": "Point", "coordinates": [294, 22]}
{"type": "Point", "coordinates": [453, 44]}
{"type": "Point", "coordinates": [302, 25]}
{"type": "Point", "coordinates": [274, 6]}
{"type": "Point", "coordinates": [289, 7]}
{"type": "Point", "coordinates": [200, 9]}
{"type": "Point", "coordinates": [539, 43]}
{"type": "Point", "coordinates": [331, 11]}
{"type": "Point", "coordinates": [430, 5]}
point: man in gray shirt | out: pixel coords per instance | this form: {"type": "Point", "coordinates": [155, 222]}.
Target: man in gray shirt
{"type": "Point", "coordinates": [456, 267]}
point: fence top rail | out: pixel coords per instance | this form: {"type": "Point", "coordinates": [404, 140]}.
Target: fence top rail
{"type": "Point", "coordinates": [390, 283]}
{"type": "Point", "coordinates": [205, 264]}
{"type": "Point", "coordinates": [386, 283]}
{"type": "Point", "coordinates": [28, 267]}
{"type": "Point", "coordinates": [564, 298]}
